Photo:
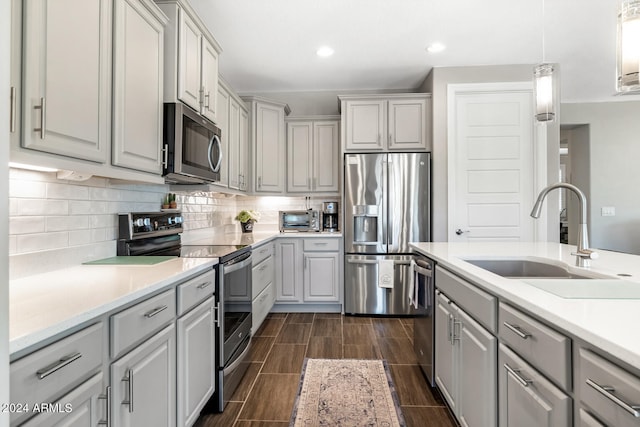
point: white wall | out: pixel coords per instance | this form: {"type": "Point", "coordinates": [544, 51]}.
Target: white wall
{"type": "Point", "coordinates": [614, 130]}
{"type": "Point", "coordinates": [436, 83]}
{"type": "Point", "coordinates": [5, 60]}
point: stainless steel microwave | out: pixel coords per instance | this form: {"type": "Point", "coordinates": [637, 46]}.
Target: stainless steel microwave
{"type": "Point", "coordinates": [308, 220]}
{"type": "Point", "coordinates": [192, 146]}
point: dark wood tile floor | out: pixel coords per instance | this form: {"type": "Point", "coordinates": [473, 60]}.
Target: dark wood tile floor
{"type": "Point", "coordinates": [266, 395]}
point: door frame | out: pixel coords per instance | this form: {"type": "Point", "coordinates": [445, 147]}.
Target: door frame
{"type": "Point", "coordinates": [539, 141]}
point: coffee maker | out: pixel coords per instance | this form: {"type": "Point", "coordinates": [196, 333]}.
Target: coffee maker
{"type": "Point", "coordinates": [329, 216]}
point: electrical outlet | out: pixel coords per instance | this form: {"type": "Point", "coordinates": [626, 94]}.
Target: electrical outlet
{"type": "Point", "coordinates": [608, 211]}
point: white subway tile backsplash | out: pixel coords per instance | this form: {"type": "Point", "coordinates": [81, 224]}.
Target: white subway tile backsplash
{"type": "Point", "coordinates": [79, 237]}
{"type": "Point", "coordinates": [26, 224]}
{"type": "Point", "coordinates": [27, 189]}
{"type": "Point", "coordinates": [42, 207]}
{"type": "Point", "coordinates": [70, 222]}
{"type": "Point", "coordinates": [41, 241]}
{"type": "Point", "coordinates": [66, 191]}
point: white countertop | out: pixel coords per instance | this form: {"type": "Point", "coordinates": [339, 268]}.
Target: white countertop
{"type": "Point", "coordinates": [609, 324]}
{"type": "Point", "coordinates": [44, 305]}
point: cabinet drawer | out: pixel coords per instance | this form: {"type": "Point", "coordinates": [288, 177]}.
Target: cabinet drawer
{"type": "Point", "coordinates": [526, 397]}
{"type": "Point", "coordinates": [262, 305]}
{"type": "Point", "coordinates": [261, 252]}
{"type": "Point", "coordinates": [546, 349]}
{"type": "Point", "coordinates": [52, 371]}
{"type": "Point", "coordinates": [321, 244]}
{"type": "Point", "coordinates": [483, 307]}
{"type": "Point", "coordinates": [193, 291]}
{"type": "Point", "coordinates": [140, 321]}
{"type": "Point", "coordinates": [262, 275]}
{"type": "Point", "coordinates": [612, 393]}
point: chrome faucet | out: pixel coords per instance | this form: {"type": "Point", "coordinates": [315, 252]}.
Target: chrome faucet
{"type": "Point", "coordinates": [583, 254]}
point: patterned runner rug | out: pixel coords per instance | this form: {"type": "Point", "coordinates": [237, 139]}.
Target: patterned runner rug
{"type": "Point", "coordinates": [346, 392]}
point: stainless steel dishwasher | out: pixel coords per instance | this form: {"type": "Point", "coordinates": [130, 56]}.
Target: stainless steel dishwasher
{"type": "Point", "coordinates": [424, 323]}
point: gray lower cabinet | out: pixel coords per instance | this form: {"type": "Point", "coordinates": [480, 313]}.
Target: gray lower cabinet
{"type": "Point", "coordinates": [78, 408]}
{"type": "Point", "coordinates": [195, 361]}
{"type": "Point", "coordinates": [143, 383]}
{"type": "Point", "coordinates": [608, 392]}
{"type": "Point", "coordinates": [526, 397]}
{"type": "Point", "coordinates": [288, 271]}
{"type": "Point", "coordinates": [465, 364]}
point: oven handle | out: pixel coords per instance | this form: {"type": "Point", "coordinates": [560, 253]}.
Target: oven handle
{"type": "Point", "coordinates": [234, 265]}
{"type": "Point", "coordinates": [238, 360]}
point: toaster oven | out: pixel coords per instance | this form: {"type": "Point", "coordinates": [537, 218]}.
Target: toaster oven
{"type": "Point", "coordinates": [308, 220]}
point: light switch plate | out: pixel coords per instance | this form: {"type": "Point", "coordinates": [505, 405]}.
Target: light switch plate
{"type": "Point", "coordinates": [608, 211]}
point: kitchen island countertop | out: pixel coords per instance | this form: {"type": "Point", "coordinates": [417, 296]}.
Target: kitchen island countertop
{"type": "Point", "coordinates": [608, 324]}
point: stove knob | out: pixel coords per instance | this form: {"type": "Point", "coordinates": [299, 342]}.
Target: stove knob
{"type": "Point", "coordinates": [139, 222]}
{"type": "Point", "coordinates": [147, 221]}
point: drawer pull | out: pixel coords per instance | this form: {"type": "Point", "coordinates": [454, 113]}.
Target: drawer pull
{"type": "Point", "coordinates": [129, 380]}
{"type": "Point", "coordinates": [48, 370]}
{"type": "Point", "coordinates": [320, 243]}
{"type": "Point", "coordinates": [264, 267]}
{"type": "Point", "coordinates": [517, 330]}
{"type": "Point", "coordinates": [204, 285]}
{"type": "Point", "coordinates": [516, 374]}
{"type": "Point", "coordinates": [155, 311]}
{"type": "Point", "coordinates": [608, 392]}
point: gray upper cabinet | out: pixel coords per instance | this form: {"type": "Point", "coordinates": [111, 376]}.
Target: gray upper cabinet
{"type": "Point", "coordinates": [67, 78]}
{"type": "Point", "coordinates": [394, 122]}
{"type": "Point", "coordinates": [138, 85]}
{"type": "Point", "coordinates": [191, 59]}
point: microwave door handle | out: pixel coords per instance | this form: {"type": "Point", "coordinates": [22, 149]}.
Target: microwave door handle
{"type": "Point", "coordinates": [215, 140]}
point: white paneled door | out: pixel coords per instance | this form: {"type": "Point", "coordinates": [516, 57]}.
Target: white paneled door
{"type": "Point", "coordinates": [491, 162]}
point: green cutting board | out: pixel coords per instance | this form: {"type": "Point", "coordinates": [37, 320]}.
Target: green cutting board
{"type": "Point", "coordinates": [131, 260]}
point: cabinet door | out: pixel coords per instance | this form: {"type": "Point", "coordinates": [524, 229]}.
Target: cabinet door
{"type": "Point", "coordinates": [299, 156]}
{"type": "Point", "coordinates": [209, 80]}
{"type": "Point", "coordinates": [222, 116]}
{"type": "Point", "coordinates": [326, 157]}
{"type": "Point", "coordinates": [67, 77]}
{"type": "Point", "coordinates": [321, 270]}
{"type": "Point", "coordinates": [243, 169]}
{"type": "Point", "coordinates": [195, 361]}
{"type": "Point", "coordinates": [234, 144]}
{"type": "Point", "coordinates": [408, 124]}
{"type": "Point", "coordinates": [143, 383]}
{"type": "Point", "coordinates": [288, 271]}
{"type": "Point", "coordinates": [79, 408]}
{"type": "Point", "coordinates": [526, 398]}
{"type": "Point", "coordinates": [478, 382]}
{"type": "Point", "coordinates": [365, 123]}
{"type": "Point", "coordinates": [270, 148]}
{"type": "Point", "coordinates": [445, 355]}
{"type": "Point", "coordinates": [189, 61]}
{"type": "Point", "coordinates": [137, 88]}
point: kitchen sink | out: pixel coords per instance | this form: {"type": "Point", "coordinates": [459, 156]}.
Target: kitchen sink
{"type": "Point", "coordinates": [525, 268]}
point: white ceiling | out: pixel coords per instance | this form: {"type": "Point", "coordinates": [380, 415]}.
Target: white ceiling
{"type": "Point", "coordinates": [270, 45]}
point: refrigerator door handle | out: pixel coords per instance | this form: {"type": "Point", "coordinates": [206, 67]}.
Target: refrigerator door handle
{"type": "Point", "coordinates": [371, 261]}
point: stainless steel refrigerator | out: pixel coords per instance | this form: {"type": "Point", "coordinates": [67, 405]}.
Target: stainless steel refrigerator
{"type": "Point", "coordinates": [386, 206]}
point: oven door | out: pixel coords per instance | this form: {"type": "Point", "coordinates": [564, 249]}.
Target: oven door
{"type": "Point", "coordinates": [236, 305]}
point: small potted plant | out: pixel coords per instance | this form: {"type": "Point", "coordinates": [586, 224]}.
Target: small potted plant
{"type": "Point", "coordinates": [166, 201]}
{"type": "Point", "coordinates": [247, 218]}
{"type": "Point", "coordinates": [172, 201]}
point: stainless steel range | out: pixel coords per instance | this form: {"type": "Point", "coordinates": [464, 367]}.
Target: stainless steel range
{"type": "Point", "coordinates": [158, 233]}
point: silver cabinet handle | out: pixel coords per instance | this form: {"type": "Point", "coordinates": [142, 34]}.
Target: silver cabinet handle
{"type": "Point", "coordinates": [155, 311]}
{"type": "Point", "coordinates": [43, 113]}
{"type": "Point", "coordinates": [608, 392]}
{"type": "Point", "coordinates": [321, 243]}
{"type": "Point", "coordinates": [517, 330]}
{"type": "Point", "coordinates": [449, 329]}
{"type": "Point", "coordinates": [107, 397]}
{"type": "Point", "coordinates": [217, 318]}
{"type": "Point", "coordinates": [454, 336]}
{"type": "Point", "coordinates": [264, 267]}
{"type": "Point", "coordinates": [516, 374]}
{"type": "Point", "coordinates": [259, 182]}
{"type": "Point", "coordinates": [204, 285]}
{"type": "Point", "coordinates": [12, 114]}
{"type": "Point", "coordinates": [207, 96]}
{"type": "Point", "coordinates": [129, 380]}
{"type": "Point", "coordinates": [57, 365]}
{"type": "Point", "coordinates": [390, 139]}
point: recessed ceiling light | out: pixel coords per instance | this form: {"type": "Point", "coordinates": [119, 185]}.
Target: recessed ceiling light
{"type": "Point", "coordinates": [435, 48]}
{"type": "Point", "coordinates": [324, 51]}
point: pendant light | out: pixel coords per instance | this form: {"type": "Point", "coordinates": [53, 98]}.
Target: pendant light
{"type": "Point", "coordinates": [628, 49]}
{"type": "Point", "coordinates": [543, 86]}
